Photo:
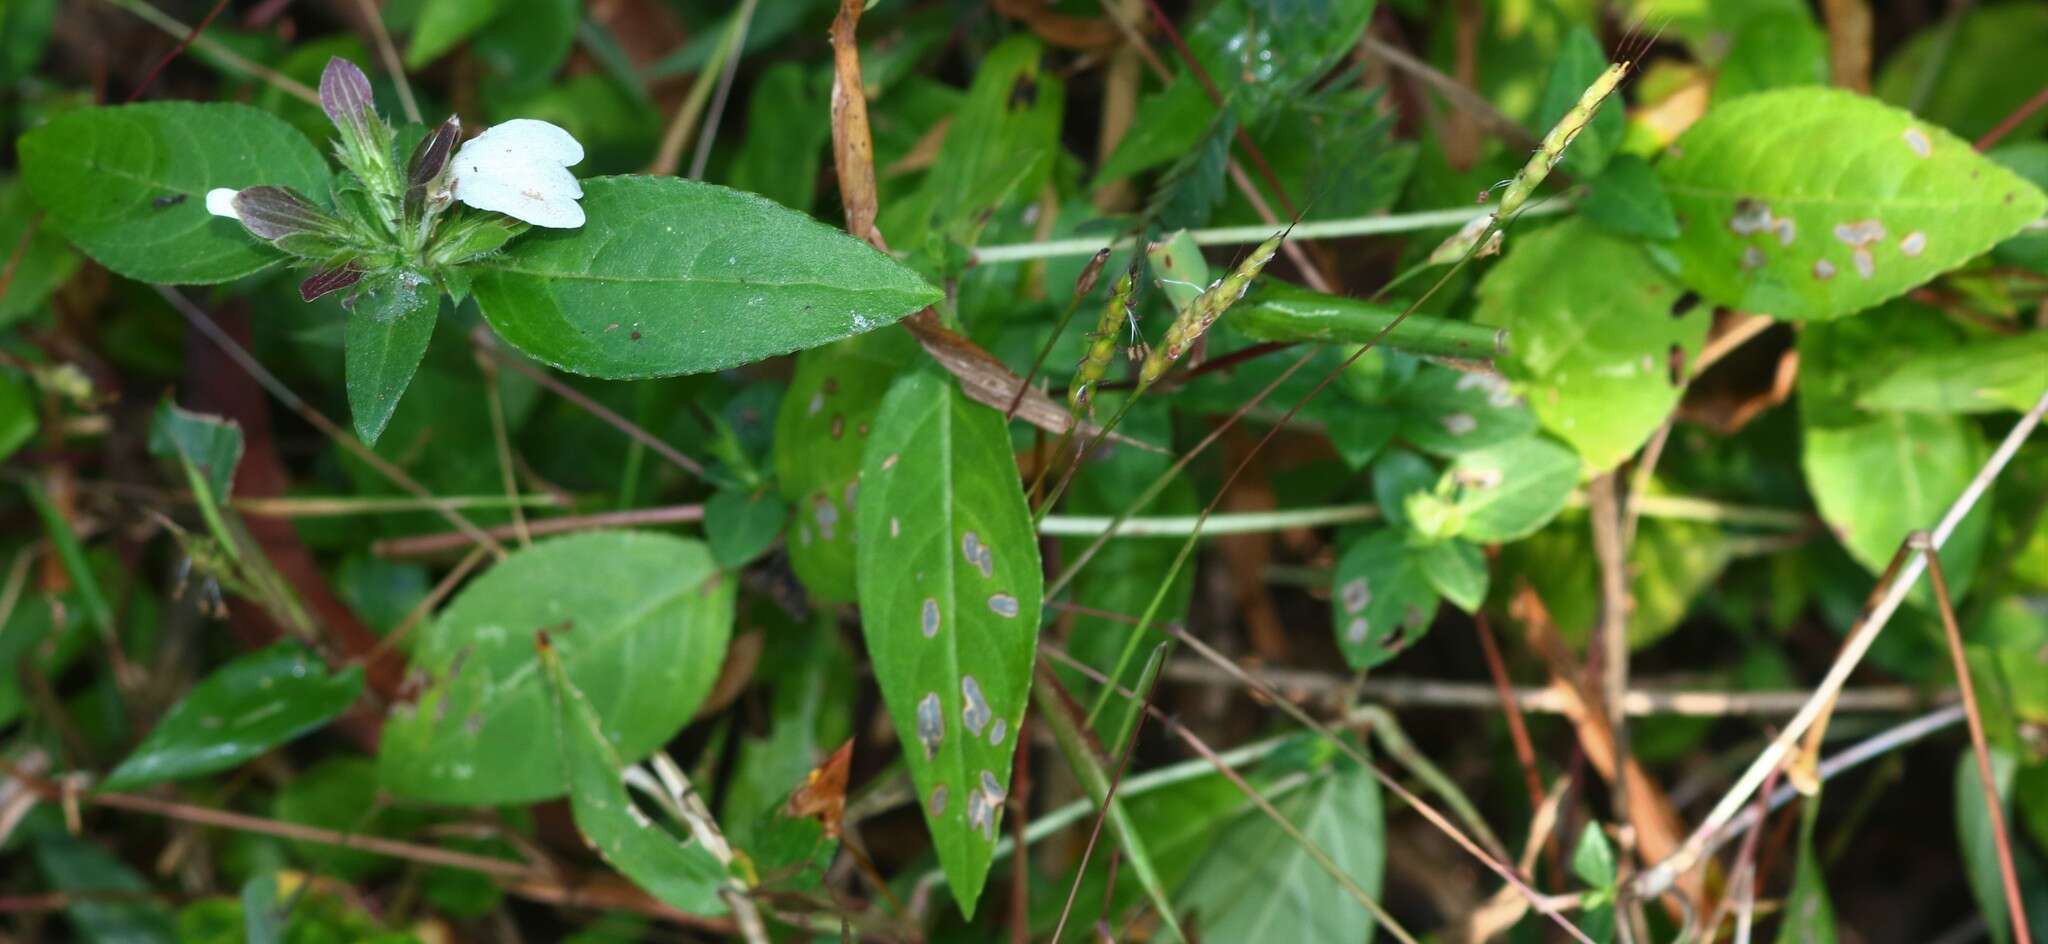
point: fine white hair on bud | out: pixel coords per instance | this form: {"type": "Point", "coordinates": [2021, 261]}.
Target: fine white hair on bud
{"type": "Point", "coordinates": [220, 201]}
{"type": "Point", "coordinates": [520, 169]}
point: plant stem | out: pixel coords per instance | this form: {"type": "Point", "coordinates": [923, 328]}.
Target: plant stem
{"type": "Point", "coordinates": [1891, 594]}
{"type": "Point", "coordinates": [1670, 507]}
{"type": "Point", "coordinates": [1251, 235]}
{"type": "Point", "coordinates": [213, 48]}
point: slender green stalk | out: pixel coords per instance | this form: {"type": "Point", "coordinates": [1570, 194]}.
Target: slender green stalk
{"type": "Point", "coordinates": [334, 506]}
{"type": "Point", "coordinates": [1376, 225]}
{"type": "Point", "coordinates": [1056, 711]}
{"type": "Point", "coordinates": [1669, 507]}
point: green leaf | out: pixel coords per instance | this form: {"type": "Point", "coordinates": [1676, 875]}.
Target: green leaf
{"type": "Point", "coordinates": [1169, 124]}
{"type": "Point", "coordinates": [1594, 330]}
{"type": "Point", "coordinates": [1580, 60]}
{"type": "Point", "coordinates": [1457, 569]}
{"type": "Point", "coordinates": [1593, 863]}
{"type": "Point", "coordinates": [2007, 372]}
{"type": "Point", "coordinates": [1980, 851]}
{"type": "Point", "coordinates": [741, 526]}
{"type": "Point", "coordinates": [1003, 139]}
{"type": "Point", "coordinates": [1814, 203]}
{"type": "Point", "coordinates": [1178, 268]}
{"type": "Point", "coordinates": [1671, 563]}
{"type": "Point", "coordinates": [684, 875]}
{"type": "Point", "coordinates": [81, 868]}
{"type": "Point", "coordinates": [211, 445]}
{"type": "Point", "coordinates": [388, 330]}
{"type": "Point", "coordinates": [262, 921]}
{"type": "Point", "coordinates": [1593, 858]}
{"type": "Point", "coordinates": [340, 793]}
{"type": "Point", "coordinates": [1628, 200]}
{"type": "Point", "coordinates": [525, 47]}
{"type": "Point", "coordinates": [1259, 884]}
{"type": "Point", "coordinates": [1773, 49]}
{"type": "Point", "coordinates": [245, 708]}
{"type": "Point", "coordinates": [45, 263]}
{"type": "Point", "coordinates": [127, 184]}
{"type": "Point", "coordinates": [443, 24]}
{"type": "Point", "coordinates": [949, 597]}
{"type": "Point", "coordinates": [1383, 602]}
{"type": "Point", "coordinates": [1506, 492]}
{"type": "Point", "coordinates": [1877, 480]}
{"type": "Point", "coordinates": [821, 431]}
{"type": "Point", "coordinates": [641, 618]}
{"type": "Point", "coordinates": [1398, 474]}
{"type": "Point", "coordinates": [18, 420]}
{"type": "Point", "coordinates": [785, 145]}
{"type": "Point", "coordinates": [1278, 311]}
{"type": "Point", "coordinates": [1975, 85]}
{"type": "Point", "coordinates": [24, 32]}
{"type": "Point", "coordinates": [2028, 159]}
{"type": "Point", "coordinates": [1809, 918]}
{"type": "Point", "coordinates": [672, 276]}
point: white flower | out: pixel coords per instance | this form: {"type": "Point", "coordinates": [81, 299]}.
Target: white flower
{"type": "Point", "coordinates": [520, 169]}
{"type": "Point", "coordinates": [220, 201]}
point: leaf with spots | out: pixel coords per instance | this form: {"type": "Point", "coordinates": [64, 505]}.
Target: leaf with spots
{"type": "Point", "coordinates": [672, 276]}
{"type": "Point", "coordinates": [245, 708]}
{"type": "Point", "coordinates": [949, 596]}
{"type": "Point", "coordinates": [640, 619]}
{"type": "Point", "coordinates": [820, 432]}
{"type": "Point", "coordinates": [1601, 339]}
{"type": "Point", "coordinates": [1445, 412]}
{"type": "Point", "coordinates": [1814, 203]}
{"type": "Point", "coordinates": [1383, 601]}
{"type": "Point", "coordinates": [679, 873]}
{"type": "Point", "coordinates": [128, 184]}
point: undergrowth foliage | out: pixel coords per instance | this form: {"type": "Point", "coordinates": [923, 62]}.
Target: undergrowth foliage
{"type": "Point", "coordinates": [1049, 470]}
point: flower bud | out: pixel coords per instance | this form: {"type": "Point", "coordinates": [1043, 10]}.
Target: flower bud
{"type": "Point", "coordinates": [426, 175]}
{"type": "Point", "coordinates": [345, 97]}
{"type": "Point", "coordinates": [274, 213]}
{"type": "Point", "coordinates": [332, 279]}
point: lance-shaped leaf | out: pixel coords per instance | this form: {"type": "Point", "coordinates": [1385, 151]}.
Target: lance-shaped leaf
{"type": "Point", "coordinates": [949, 596]}
{"type": "Point", "coordinates": [671, 276]}
{"type": "Point", "coordinates": [640, 619]}
{"type": "Point", "coordinates": [683, 874]}
{"type": "Point", "coordinates": [1817, 203]}
{"type": "Point", "coordinates": [388, 329]}
{"type": "Point", "coordinates": [128, 184]}
{"type": "Point", "coordinates": [249, 706]}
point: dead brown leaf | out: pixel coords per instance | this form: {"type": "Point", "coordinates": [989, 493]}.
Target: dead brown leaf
{"type": "Point", "coordinates": [823, 793]}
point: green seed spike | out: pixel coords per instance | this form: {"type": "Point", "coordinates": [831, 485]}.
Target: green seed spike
{"type": "Point", "coordinates": [1560, 137]}
{"type": "Point", "coordinates": [1194, 321]}
{"type": "Point", "coordinates": [1102, 343]}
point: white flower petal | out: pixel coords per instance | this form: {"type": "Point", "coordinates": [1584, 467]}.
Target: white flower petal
{"type": "Point", "coordinates": [532, 138]}
{"type": "Point", "coordinates": [220, 201]}
{"type": "Point", "coordinates": [520, 169]}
